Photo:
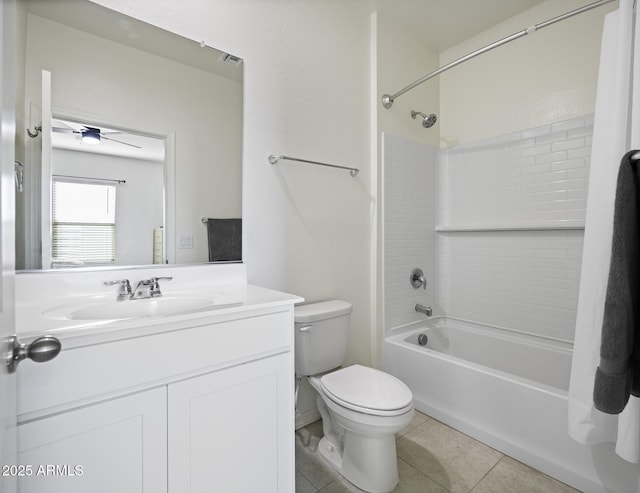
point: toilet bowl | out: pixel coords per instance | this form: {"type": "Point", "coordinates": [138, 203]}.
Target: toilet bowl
{"type": "Point", "coordinates": [359, 436]}
{"type": "Point", "coordinates": [361, 408]}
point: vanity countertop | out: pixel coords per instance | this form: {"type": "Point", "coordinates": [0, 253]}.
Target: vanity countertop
{"type": "Point", "coordinates": [43, 315]}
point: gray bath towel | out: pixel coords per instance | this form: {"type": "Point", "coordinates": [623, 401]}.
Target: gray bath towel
{"type": "Point", "coordinates": [225, 239]}
{"type": "Point", "coordinates": [618, 375]}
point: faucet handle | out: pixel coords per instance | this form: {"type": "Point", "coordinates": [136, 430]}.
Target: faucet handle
{"type": "Point", "coordinates": [417, 279]}
{"type": "Point", "coordinates": [125, 288]}
{"type": "Point", "coordinates": [155, 285]}
{"type": "Point", "coordinates": [156, 279]}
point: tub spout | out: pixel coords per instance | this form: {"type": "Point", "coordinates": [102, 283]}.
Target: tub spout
{"type": "Point", "coordinates": [423, 309]}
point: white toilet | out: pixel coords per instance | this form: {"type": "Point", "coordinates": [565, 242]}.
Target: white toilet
{"type": "Point", "coordinates": [362, 408]}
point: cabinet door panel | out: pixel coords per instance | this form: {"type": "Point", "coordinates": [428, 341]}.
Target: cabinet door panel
{"type": "Point", "coordinates": [232, 430]}
{"type": "Point", "coordinates": [114, 446]}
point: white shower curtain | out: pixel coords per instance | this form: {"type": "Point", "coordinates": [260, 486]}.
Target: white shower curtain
{"type": "Point", "coordinates": [616, 130]}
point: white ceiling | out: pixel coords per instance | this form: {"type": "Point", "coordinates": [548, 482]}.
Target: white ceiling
{"type": "Point", "coordinates": [100, 21]}
{"type": "Point", "coordinates": [442, 24]}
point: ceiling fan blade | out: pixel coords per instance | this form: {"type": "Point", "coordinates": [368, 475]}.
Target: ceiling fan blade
{"type": "Point", "coordinates": [58, 123]}
{"type": "Point", "coordinates": [119, 141]}
{"type": "Point", "coordinates": [64, 130]}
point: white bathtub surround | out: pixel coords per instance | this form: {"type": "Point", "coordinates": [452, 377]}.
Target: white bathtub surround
{"type": "Point", "coordinates": [525, 280]}
{"type": "Point", "coordinates": [508, 223]}
{"type": "Point", "coordinates": [616, 130]}
{"type": "Point", "coordinates": [537, 175]}
{"type": "Point", "coordinates": [511, 219]}
{"type": "Point", "coordinates": [409, 221]}
{"type": "Point", "coordinates": [490, 384]}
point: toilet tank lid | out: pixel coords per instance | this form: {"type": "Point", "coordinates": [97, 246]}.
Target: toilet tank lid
{"type": "Point", "coordinates": [312, 312]}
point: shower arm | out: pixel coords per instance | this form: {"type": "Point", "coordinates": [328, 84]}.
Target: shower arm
{"type": "Point", "coordinates": [387, 100]}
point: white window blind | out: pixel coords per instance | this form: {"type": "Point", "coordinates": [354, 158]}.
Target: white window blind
{"type": "Point", "coordinates": [84, 217]}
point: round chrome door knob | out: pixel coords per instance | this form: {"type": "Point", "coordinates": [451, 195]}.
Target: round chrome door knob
{"type": "Point", "coordinates": [44, 349]}
{"type": "Point", "coordinates": [40, 350]}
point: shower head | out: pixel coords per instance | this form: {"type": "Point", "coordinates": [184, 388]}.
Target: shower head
{"type": "Point", "coordinates": [428, 121]}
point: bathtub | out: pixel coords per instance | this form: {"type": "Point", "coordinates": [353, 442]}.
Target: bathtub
{"type": "Point", "coordinates": [506, 389]}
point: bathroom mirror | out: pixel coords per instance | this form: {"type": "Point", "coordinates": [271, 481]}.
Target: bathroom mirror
{"type": "Point", "coordinates": [129, 85]}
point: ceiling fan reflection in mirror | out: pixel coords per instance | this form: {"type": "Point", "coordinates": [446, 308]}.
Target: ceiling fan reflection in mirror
{"type": "Point", "coordinates": [74, 134]}
{"type": "Point", "coordinates": [88, 134]}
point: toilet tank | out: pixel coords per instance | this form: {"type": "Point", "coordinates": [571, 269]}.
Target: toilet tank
{"type": "Point", "coordinates": [321, 336]}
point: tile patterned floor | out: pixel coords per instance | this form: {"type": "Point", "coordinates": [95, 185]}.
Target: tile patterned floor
{"type": "Point", "coordinates": [432, 458]}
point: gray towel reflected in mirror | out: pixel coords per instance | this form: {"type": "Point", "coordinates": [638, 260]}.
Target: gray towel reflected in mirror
{"type": "Point", "coordinates": [225, 239]}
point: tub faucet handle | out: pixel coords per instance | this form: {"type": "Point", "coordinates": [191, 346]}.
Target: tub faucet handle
{"type": "Point", "coordinates": [417, 278]}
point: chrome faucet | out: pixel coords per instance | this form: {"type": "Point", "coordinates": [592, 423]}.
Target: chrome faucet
{"type": "Point", "coordinates": [125, 288]}
{"type": "Point", "coordinates": [423, 309]}
{"type": "Point", "coordinates": [148, 288]}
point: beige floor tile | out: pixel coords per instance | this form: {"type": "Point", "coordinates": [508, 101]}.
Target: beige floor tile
{"type": "Point", "coordinates": [447, 456]}
{"type": "Point", "coordinates": [340, 485]}
{"type": "Point", "coordinates": [516, 477]}
{"type": "Point", "coordinates": [308, 462]}
{"type": "Point", "coordinates": [411, 481]}
{"type": "Point", "coordinates": [302, 485]}
{"type": "Point", "coordinates": [417, 420]}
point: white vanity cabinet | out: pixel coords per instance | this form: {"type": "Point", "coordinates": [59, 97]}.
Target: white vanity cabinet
{"type": "Point", "coordinates": [118, 445]}
{"type": "Point", "coordinates": [194, 405]}
{"type": "Point", "coordinates": [225, 430]}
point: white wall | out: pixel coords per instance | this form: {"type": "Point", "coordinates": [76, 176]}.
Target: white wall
{"type": "Point", "coordinates": [129, 88]}
{"type": "Point", "coordinates": [542, 78]}
{"type": "Point", "coordinates": [138, 201]}
{"type": "Point", "coordinates": [306, 93]}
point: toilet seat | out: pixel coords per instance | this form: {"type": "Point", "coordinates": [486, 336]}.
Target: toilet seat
{"type": "Point", "coordinates": [368, 391]}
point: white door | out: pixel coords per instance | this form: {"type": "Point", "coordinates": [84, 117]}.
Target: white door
{"type": "Point", "coordinates": [7, 245]}
{"type": "Point", "coordinates": [45, 178]}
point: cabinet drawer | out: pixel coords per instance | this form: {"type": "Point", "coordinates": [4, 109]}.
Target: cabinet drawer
{"type": "Point", "coordinates": [81, 374]}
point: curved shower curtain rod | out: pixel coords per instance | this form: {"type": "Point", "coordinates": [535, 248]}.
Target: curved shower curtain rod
{"type": "Point", "coordinates": [387, 100]}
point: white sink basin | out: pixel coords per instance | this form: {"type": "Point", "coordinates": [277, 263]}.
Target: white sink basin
{"type": "Point", "coordinates": [110, 310]}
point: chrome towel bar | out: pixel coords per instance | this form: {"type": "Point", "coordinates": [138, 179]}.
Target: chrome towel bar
{"type": "Point", "coordinates": [273, 159]}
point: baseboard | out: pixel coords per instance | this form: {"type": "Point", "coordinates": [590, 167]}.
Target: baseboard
{"type": "Point", "coordinates": [306, 418]}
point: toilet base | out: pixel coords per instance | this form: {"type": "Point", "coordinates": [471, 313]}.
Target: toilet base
{"type": "Point", "coordinates": [358, 470]}
{"type": "Point", "coordinates": [330, 454]}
